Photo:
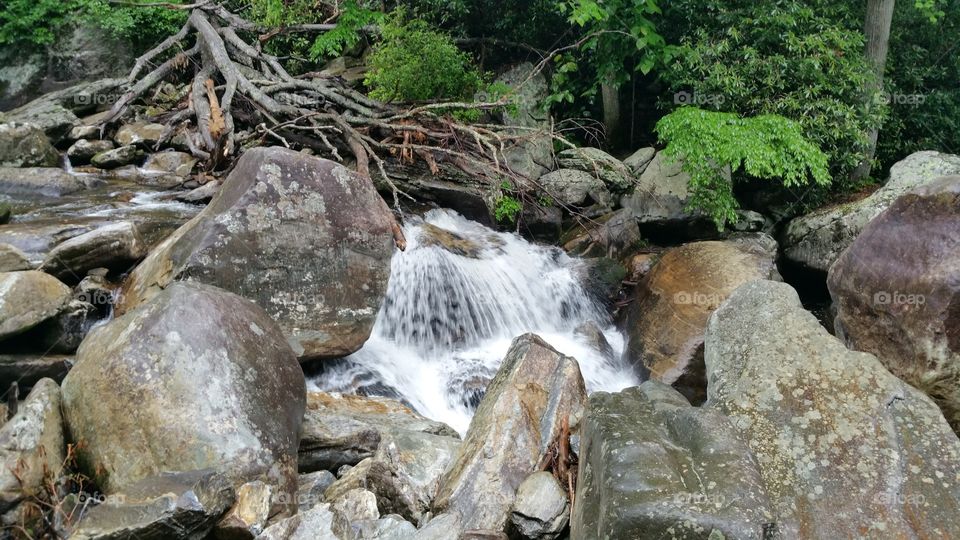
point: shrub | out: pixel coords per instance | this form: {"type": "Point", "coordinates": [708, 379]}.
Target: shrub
{"type": "Point", "coordinates": [416, 63]}
{"type": "Point", "coordinates": [766, 147]}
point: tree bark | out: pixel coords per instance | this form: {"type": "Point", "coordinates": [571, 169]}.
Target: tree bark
{"type": "Point", "coordinates": [877, 30]}
{"type": "Point", "coordinates": [611, 111]}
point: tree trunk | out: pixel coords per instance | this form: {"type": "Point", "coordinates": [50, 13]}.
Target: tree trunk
{"type": "Point", "coordinates": [611, 111]}
{"type": "Point", "coordinates": [877, 30]}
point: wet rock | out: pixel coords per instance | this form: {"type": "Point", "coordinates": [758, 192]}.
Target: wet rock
{"type": "Point", "coordinates": [36, 238]}
{"type": "Point", "coordinates": [672, 304]}
{"type": "Point", "coordinates": [25, 145]}
{"type": "Point", "coordinates": [442, 527]}
{"type": "Point", "coordinates": [345, 429]}
{"type": "Point", "coordinates": [640, 265]}
{"type": "Point", "coordinates": [82, 151]}
{"type": "Point", "coordinates": [27, 369]}
{"type": "Point", "coordinates": [118, 157]}
{"type": "Point", "coordinates": [541, 509]}
{"type": "Point", "coordinates": [845, 449]}
{"type": "Point", "coordinates": [12, 259]}
{"type": "Point", "coordinates": [202, 194]}
{"type": "Point", "coordinates": [314, 524]}
{"type": "Point", "coordinates": [139, 134]}
{"type": "Point", "coordinates": [609, 169]}
{"type": "Point", "coordinates": [816, 240]}
{"type": "Point", "coordinates": [431, 235]}
{"type": "Point", "coordinates": [594, 337]}
{"type": "Point", "coordinates": [89, 133]}
{"type": "Point", "coordinates": [603, 277]}
{"type": "Point", "coordinates": [117, 247]}
{"type": "Point", "coordinates": [535, 390]}
{"type": "Point", "coordinates": [305, 238]}
{"type": "Point", "coordinates": [311, 487]}
{"type": "Point", "coordinates": [6, 213]}
{"type": "Point", "coordinates": [576, 188]}
{"type": "Point", "coordinates": [176, 163]}
{"type": "Point", "coordinates": [639, 160]}
{"type": "Point", "coordinates": [31, 447]}
{"type": "Point", "coordinates": [659, 201]}
{"type": "Point", "coordinates": [249, 514]}
{"type": "Point", "coordinates": [614, 235]}
{"type": "Point", "coordinates": [897, 291]}
{"type": "Point", "coordinates": [190, 362]}
{"type": "Point", "coordinates": [143, 177]}
{"type": "Point", "coordinates": [169, 506]}
{"type": "Point", "coordinates": [62, 333]}
{"type": "Point", "coordinates": [653, 466]}
{"type": "Point", "coordinates": [48, 114]}
{"type": "Point", "coordinates": [541, 223]}
{"type": "Point", "coordinates": [27, 299]}
{"type": "Point", "coordinates": [41, 182]}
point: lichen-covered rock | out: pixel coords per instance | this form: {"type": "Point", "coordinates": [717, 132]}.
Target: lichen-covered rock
{"type": "Point", "coordinates": [41, 182]}
{"type": "Point", "coordinates": [614, 235]}
{"type": "Point", "coordinates": [169, 506]}
{"type": "Point", "coordinates": [897, 291]}
{"type": "Point", "coordinates": [198, 378]}
{"type": "Point", "coordinates": [521, 414]}
{"type": "Point", "coordinates": [541, 509]}
{"type": "Point", "coordinates": [311, 487]}
{"type": "Point", "coordinates": [816, 240]}
{"type": "Point", "coordinates": [82, 151]}
{"type": "Point", "coordinates": [25, 145]}
{"type": "Point", "coordinates": [639, 160]}
{"type": "Point", "coordinates": [12, 259]}
{"type": "Point", "coordinates": [673, 302]}
{"type": "Point", "coordinates": [27, 299]}
{"type": "Point", "coordinates": [116, 247]}
{"type": "Point", "coordinates": [176, 163]}
{"type": "Point", "coordinates": [305, 238]}
{"type": "Point", "coordinates": [576, 188]}
{"type": "Point", "coordinates": [32, 447]}
{"type": "Point", "coordinates": [845, 449]}
{"type": "Point", "coordinates": [249, 514]}
{"type": "Point", "coordinates": [609, 169]}
{"type": "Point", "coordinates": [140, 134]}
{"type": "Point", "coordinates": [117, 157]}
{"type": "Point", "coordinates": [652, 466]}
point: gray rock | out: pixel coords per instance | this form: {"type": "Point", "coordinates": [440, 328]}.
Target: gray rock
{"type": "Point", "coordinates": [611, 170]}
{"type": "Point", "coordinates": [534, 391]}
{"type": "Point", "coordinates": [576, 188]}
{"type": "Point", "coordinates": [817, 239]}
{"type": "Point", "coordinates": [139, 134]}
{"type": "Point", "coordinates": [202, 194]}
{"type": "Point", "coordinates": [27, 369]}
{"type": "Point", "coordinates": [12, 259]}
{"type": "Point", "coordinates": [118, 157]}
{"type": "Point", "coordinates": [82, 151]}
{"type": "Point", "coordinates": [442, 527]}
{"type": "Point", "coordinates": [27, 299]}
{"type": "Point", "coordinates": [169, 506]}
{"type": "Point", "coordinates": [541, 509]}
{"type": "Point", "coordinates": [845, 449]}
{"type": "Point", "coordinates": [671, 306]}
{"type": "Point", "coordinates": [659, 200]}
{"type": "Point", "coordinates": [386, 528]}
{"type": "Point", "coordinates": [352, 506]}
{"type": "Point", "coordinates": [20, 75]}
{"type": "Point", "coordinates": [311, 487]}
{"type": "Point", "coordinates": [313, 524]}
{"type": "Point", "coordinates": [32, 447]}
{"type": "Point", "coordinates": [249, 514]}
{"type": "Point", "coordinates": [615, 235]}
{"type": "Point", "coordinates": [62, 333]}
{"type": "Point", "coordinates": [89, 132]}
{"type": "Point", "coordinates": [154, 389]}
{"type": "Point", "coordinates": [176, 163]}
{"type": "Point", "coordinates": [117, 247]}
{"type": "Point", "coordinates": [345, 429]}
{"type": "Point", "coordinates": [652, 466]}
{"type": "Point", "coordinates": [25, 145]}
{"type": "Point", "coordinates": [41, 182]}
{"type": "Point", "coordinates": [48, 114]}
{"type": "Point", "coordinates": [639, 160]}
{"type": "Point", "coordinates": [532, 155]}
{"type": "Point", "coordinates": [305, 238]}
{"type": "Point", "coordinates": [896, 290]}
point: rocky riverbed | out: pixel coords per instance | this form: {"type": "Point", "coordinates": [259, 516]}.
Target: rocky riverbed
{"type": "Point", "coordinates": [247, 352]}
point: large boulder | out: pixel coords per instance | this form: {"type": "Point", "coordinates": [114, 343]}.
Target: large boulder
{"type": "Point", "coordinates": [816, 240]}
{"type": "Point", "coordinates": [897, 291]}
{"type": "Point", "coordinates": [198, 378]}
{"type": "Point", "coordinates": [28, 369]}
{"type": "Point", "coordinates": [305, 238]}
{"type": "Point", "coordinates": [41, 182]}
{"type": "Point", "coordinates": [576, 188]}
{"type": "Point", "coordinates": [531, 155]}
{"type": "Point", "coordinates": [82, 151]}
{"type": "Point", "coordinates": [607, 168]}
{"type": "Point", "coordinates": [32, 448]}
{"type": "Point", "coordinates": [169, 506]}
{"type": "Point", "coordinates": [116, 247]}
{"type": "Point", "coordinates": [650, 463]}
{"type": "Point", "coordinates": [25, 145]}
{"type": "Point", "coordinates": [534, 393]}
{"type": "Point", "coordinates": [845, 449]}
{"type": "Point", "coordinates": [117, 157]}
{"type": "Point", "coordinates": [27, 299]}
{"type": "Point", "coordinates": [673, 302]}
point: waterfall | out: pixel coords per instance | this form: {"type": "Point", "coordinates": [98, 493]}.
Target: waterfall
{"type": "Point", "coordinates": [457, 297]}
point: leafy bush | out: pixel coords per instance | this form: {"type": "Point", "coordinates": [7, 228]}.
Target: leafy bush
{"type": "Point", "coordinates": [416, 63]}
{"type": "Point", "coordinates": [348, 32]}
{"type": "Point", "coordinates": [766, 147]}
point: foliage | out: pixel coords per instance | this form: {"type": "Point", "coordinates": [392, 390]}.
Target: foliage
{"type": "Point", "coordinates": [37, 22]}
{"type": "Point", "coordinates": [507, 209]}
{"type": "Point", "coordinates": [786, 58]}
{"type": "Point", "coordinates": [712, 144]}
{"type": "Point", "coordinates": [413, 62]}
{"type": "Point", "coordinates": [347, 34]}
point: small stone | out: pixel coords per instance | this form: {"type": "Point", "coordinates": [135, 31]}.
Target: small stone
{"type": "Point", "coordinates": [27, 299]}
{"type": "Point", "coordinates": [541, 509]}
{"type": "Point", "coordinates": [139, 134]}
{"type": "Point", "coordinates": [176, 163]}
{"type": "Point", "coordinates": [12, 259]}
{"type": "Point", "coordinates": [111, 159]}
{"type": "Point", "coordinates": [82, 151]}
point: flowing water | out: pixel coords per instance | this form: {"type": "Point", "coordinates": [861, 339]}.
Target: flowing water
{"type": "Point", "coordinates": [457, 297]}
